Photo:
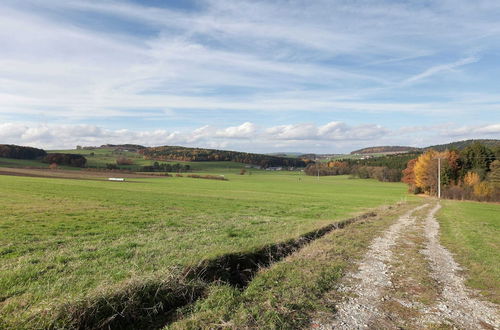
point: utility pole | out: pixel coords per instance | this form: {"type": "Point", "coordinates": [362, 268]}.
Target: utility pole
{"type": "Point", "coordinates": [439, 177]}
{"type": "Point", "coordinates": [317, 166]}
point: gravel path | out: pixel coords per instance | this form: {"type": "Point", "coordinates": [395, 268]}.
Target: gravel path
{"type": "Point", "coordinates": [369, 282]}
{"type": "Point", "coordinates": [457, 303]}
{"type": "Point", "coordinates": [365, 290]}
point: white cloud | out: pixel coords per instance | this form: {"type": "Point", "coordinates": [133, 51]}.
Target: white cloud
{"type": "Point", "coordinates": [476, 131]}
{"type": "Point", "coordinates": [245, 130]}
{"type": "Point", "coordinates": [332, 137]}
{"type": "Point", "coordinates": [303, 131]}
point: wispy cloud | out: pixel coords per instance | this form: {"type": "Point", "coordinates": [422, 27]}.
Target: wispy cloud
{"type": "Point", "coordinates": [80, 62]}
{"type": "Point", "coordinates": [441, 68]}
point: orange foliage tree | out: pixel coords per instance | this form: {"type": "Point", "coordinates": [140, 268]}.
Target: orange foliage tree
{"type": "Point", "coordinates": [409, 176]}
{"type": "Point", "coordinates": [425, 171]}
{"type": "Point", "coordinates": [472, 179]}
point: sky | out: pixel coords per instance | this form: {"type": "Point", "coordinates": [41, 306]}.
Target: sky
{"type": "Point", "coordinates": [321, 76]}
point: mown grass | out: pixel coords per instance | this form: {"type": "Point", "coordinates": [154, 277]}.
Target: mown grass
{"type": "Point", "coordinates": [62, 240]}
{"type": "Point", "coordinates": [291, 293]}
{"type": "Point", "coordinates": [471, 231]}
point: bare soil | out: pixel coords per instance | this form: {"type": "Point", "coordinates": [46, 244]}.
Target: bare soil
{"type": "Point", "coordinates": [70, 174]}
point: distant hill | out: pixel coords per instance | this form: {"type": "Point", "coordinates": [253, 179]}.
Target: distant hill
{"type": "Point", "coordinates": [318, 156]}
{"type": "Point", "coordinates": [439, 147]}
{"type": "Point", "coordinates": [285, 154]}
{"type": "Point", "coordinates": [177, 153]}
{"type": "Point", "coordinates": [384, 149]}
{"type": "Point", "coordinates": [117, 147]}
{"type": "Point", "coordinates": [464, 144]}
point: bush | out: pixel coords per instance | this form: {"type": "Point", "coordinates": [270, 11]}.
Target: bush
{"type": "Point", "coordinates": [124, 161]}
{"type": "Point", "coordinates": [210, 177]}
{"type": "Point", "coordinates": [164, 167]}
{"type": "Point", "coordinates": [111, 166]}
{"type": "Point", "coordinates": [483, 190]}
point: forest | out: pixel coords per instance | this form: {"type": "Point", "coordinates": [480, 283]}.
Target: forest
{"type": "Point", "coordinates": [382, 149]}
{"type": "Point", "coordinates": [472, 173]}
{"type": "Point", "coordinates": [385, 168]}
{"type": "Point", "coordinates": [20, 152]}
{"type": "Point", "coordinates": [65, 159]}
{"type": "Point", "coordinates": [169, 153]}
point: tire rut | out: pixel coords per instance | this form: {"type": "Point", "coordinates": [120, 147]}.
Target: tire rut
{"type": "Point", "coordinates": [456, 302]}
{"type": "Point", "coordinates": [408, 256]}
{"type": "Point", "coordinates": [367, 285]}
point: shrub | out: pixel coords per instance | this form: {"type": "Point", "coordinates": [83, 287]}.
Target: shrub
{"type": "Point", "coordinates": [483, 190]}
{"type": "Point", "coordinates": [210, 177]}
{"type": "Point", "coordinates": [124, 161]}
{"type": "Point", "coordinates": [471, 179]}
{"type": "Point", "coordinates": [111, 166]}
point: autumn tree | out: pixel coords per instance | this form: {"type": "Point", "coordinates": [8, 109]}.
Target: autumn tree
{"type": "Point", "coordinates": [483, 190]}
{"type": "Point", "coordinates": [409, 176]}
{"type": "Point", "coordinates": [425, 171]}
{"type": "Point", "coordinates": [472, 178]}
{"type": "Point", "coordinates": [450, 167]}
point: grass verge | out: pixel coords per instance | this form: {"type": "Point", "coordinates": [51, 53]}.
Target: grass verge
{"type": "Point", "coordinates": [471, 231]}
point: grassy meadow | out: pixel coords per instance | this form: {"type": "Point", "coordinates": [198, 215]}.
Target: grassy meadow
{"type": "Point", "coordinates": [62, 240]}
{"type": "Point", "coordinates": [471, 231]}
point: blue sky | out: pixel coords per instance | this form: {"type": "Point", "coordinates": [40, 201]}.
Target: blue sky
{"type": "Point", "coordinates": [261, 76]}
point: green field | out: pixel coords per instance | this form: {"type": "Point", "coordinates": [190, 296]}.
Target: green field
{"type": "Point", "coordinates": [471, 231]}
{"type": "Point", "coordinates": [99, 158]}
{"type": "Point", "coordinates": [62, 240]}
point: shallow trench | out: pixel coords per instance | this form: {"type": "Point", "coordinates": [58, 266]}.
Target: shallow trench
{"type": "Point", "coordinates": [152, 305]}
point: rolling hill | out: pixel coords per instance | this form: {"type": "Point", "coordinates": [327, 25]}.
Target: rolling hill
{"type": "Point", "coordinates": [384, 149]}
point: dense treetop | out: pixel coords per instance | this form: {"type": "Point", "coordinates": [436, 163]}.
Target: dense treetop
{"type": "Point", "coordinates": [167, 153]}
{"type": "Point", "coordinates": [20, 152]}
{"type": "Point", "coordinates": [382, 149]}
{"type": "Point", "coordinates": [460, 145]}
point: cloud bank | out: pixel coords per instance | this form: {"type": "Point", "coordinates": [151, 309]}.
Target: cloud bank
{"type": "Point", "coordinates": [333, 137]}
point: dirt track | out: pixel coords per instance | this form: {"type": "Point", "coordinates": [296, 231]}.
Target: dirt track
{"type": "Point", "coordinates": [407, 279]}
{"type": "Point", "coordinates": [70, 174]}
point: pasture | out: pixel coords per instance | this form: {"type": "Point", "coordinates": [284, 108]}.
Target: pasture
{"type": "Point", "coordinates": [64, 240]}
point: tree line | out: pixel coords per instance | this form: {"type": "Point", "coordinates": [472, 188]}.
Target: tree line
{"type": "Point", "coordinates": [472, 173]}
{"type": "Point", "coordinates": [381, 173]}
{"type": "Point", "coordinates": [20, 152]}
{"type": "Point", "coordinates": [167, 153]}
{"type": "Point", "coordinates": [65, 159]}
{"type": "Point", "coordinates": [385, 168]}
